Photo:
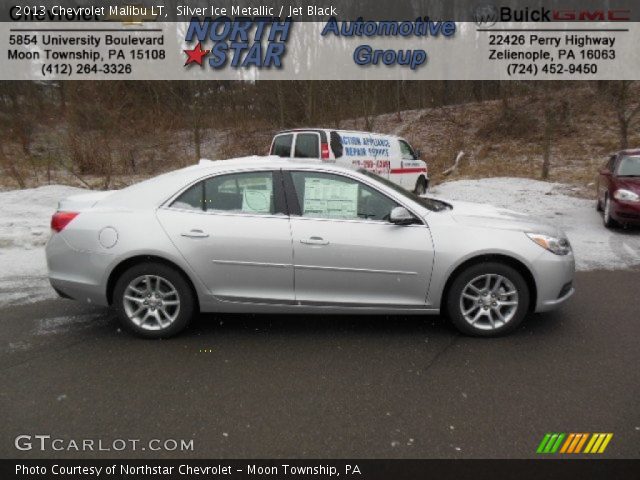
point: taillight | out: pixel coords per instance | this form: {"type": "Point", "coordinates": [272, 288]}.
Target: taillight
{"type": "Point", "coordinates": [62, 219]}
{"type": "Point", "coordinates": [324, 150]}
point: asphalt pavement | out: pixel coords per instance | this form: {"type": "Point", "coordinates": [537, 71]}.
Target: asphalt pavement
{"type": "Point", "coordinates": [255, 386]}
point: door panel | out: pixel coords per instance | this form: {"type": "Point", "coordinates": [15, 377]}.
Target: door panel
{"type": "Point", "coordinates": [361, 263]}
{"type": "Point", "coordinates": [228, 230]}
{"type": "Point", "coordinates": [345, 252]}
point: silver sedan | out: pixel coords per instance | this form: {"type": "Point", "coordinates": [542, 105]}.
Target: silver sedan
{"type": "Point", "coordinates": [269, 235]}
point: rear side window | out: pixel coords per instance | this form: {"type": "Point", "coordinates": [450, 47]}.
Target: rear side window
{"type": "Point", "coordinates": [307, 145]}
{"type": "Point", "coordinates": [406, 151]}
{"type": "Point", "coordinates": [282, 145]}
{"type": "Point", "coordinates": [242, 192]}
{"type": "Point", "coordinates": [192, 199]}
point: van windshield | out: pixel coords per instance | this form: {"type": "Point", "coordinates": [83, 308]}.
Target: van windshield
{"type": "Point", "coordinates": [430, 203]}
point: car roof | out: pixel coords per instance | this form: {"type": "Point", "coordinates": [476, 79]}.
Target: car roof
{"type": "Point", "coordinates": [357, 132]}
{"type": "Point", "coordinates": [630, 151]}
{"type": "Point", "coordinates": [257, 161]}
{"type": "Point", "coordinates": [154, 190]}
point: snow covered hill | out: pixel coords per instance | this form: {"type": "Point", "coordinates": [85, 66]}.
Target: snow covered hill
{"type": "Point", "coordinates": [25, 216]}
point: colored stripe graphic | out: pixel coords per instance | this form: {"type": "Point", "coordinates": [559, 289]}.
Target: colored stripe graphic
{"type": "Point", "coordinates": [573, 443]}
{"type": "Point", "coordinates": [550, 443]}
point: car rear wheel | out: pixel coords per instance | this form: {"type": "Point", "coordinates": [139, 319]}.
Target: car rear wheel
{"type": "Point", "coordinates": [421, 186]}
{"type": "Point", "coordinates": [606, 215]}
{"type": "Point", "coordinates": [153, 300]}
{"type": "Point", "coordinates": [488, 299]}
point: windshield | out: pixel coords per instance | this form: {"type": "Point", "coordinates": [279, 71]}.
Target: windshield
{"type": "Point", "coordinates": [629, 166]}
{"type": "Point", "coordinates": [430, 203]}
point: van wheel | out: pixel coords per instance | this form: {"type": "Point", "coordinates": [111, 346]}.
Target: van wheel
{"type": "Point", "coordinates": [421, 186]}
{"type": "Point", "coordinates": [153, 300]}
{"type": "Point", "coordinates": [487, 300]}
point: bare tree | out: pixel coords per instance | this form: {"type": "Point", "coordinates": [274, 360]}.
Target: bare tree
{"type": "Point", "coordinates": [625, 109]}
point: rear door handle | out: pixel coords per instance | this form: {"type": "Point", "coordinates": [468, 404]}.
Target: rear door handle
{"type": "Point", "coordinates": [195, 233]}
{"type": "Point", "coordinates": [315, 241]}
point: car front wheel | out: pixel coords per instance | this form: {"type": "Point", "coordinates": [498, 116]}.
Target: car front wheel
{"type": "Point", "coordinates": [606, 215]}
{"type": "Point", "coordinates": [488, 299]}
{"type": "Point", "coordinates": [153, 300]}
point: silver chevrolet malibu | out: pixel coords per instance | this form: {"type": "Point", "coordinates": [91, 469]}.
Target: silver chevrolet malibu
{"type": "Point", "coordinates": [270, 235]}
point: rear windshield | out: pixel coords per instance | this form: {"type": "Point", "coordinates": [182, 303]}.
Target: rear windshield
{"type": "Point", "coordinates": [629, 166]}
{"type": "Point", "coordinates": [430, 203]}
{"type": "Point", "coordinates": [282, 145]}
{"type": "Point", "coordinates": [307, 145]}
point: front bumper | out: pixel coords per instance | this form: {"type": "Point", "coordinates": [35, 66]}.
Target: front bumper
{"type": "Point", "coordinates": [627, 213]}
{"type": "Point", "coordinates": [554, 275]}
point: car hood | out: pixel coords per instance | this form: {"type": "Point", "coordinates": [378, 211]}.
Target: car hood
{"type": "Point", "coordinates": [85, 201]}
{"type": "Point", "coordinates": [488, 216]}
{"type": "Point", "coordinates": [629, 183]}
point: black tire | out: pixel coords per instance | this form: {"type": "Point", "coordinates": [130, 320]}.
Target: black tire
{"type": "Point", "coordinates": [598, 203]}
{"type": "Point", "coordinates": [421, 186]}
{"type": "Point", "coordinates": [454, 304]}
{"type": "Point", "coordinates": [186, 298]}
{"type": "Point", "coordinates": [606, 214]}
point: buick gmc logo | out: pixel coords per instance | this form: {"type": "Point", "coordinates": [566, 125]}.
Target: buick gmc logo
{"type": "Point", "coordinates": [488, 15]}
{"type": "Point", "coordinates": [485, 15]}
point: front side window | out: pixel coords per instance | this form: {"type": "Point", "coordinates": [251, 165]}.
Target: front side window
{"type": "Point", "coordinates": [307, 145]}
{"type": "Point", "coordinates": [406, 152]}
{"type": "Point", "coordinates": [322, 195]}
{"type": "Point", "coordinates": [282, 145]}
{"type": "Point", "coordinates": [241, 192]}
{"type": "Point", "coordinates": [629, 166]}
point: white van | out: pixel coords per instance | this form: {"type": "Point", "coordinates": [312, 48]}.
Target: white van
{"type": "Point", "coordinates": [386, 155]}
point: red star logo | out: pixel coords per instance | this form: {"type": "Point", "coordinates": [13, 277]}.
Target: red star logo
{"type": "Point", "coordinates": [195, 55]}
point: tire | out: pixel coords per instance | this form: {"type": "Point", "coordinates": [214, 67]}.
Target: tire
{"type": "Point", "coordinates": [421, 186]}
{"type": "Point", "coordinates": [166, 312]}
{"type": "Point", "coordinates": [606, 214]}
{"type": "Point", "coordinates": [598, 205]}
{"type": "Point", "coordinates": [503, 279]}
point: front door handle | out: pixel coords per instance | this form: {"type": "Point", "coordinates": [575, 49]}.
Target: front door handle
{"type": "Point", "coordinates": [315, 241]}
{"type": "Point", "coordinates": [195, 233]}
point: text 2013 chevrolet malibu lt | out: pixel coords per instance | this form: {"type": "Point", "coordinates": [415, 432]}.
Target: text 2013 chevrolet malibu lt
{"type": "Point", "coordinates": [284, 236]}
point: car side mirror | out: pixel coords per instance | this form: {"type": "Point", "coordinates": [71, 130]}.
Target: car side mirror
{"type": "Point", "coordinates": [401, 216]}
{"type": "Point", "coordinates": [605, 171]}
{"type": "Point", "coordinates": [418, 154]}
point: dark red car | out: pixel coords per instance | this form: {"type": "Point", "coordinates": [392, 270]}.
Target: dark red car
{"type": "Point", "coordinates": [618, 189]}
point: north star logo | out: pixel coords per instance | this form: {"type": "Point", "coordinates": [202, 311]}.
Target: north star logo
{"type": "Point", "coordinates": [196, 55]}
{"type": "Point", "coordinates": [242, 42]}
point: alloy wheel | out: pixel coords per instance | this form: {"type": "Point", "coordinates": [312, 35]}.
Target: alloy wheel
{"type": "Point", "coordinates": [151, 302]}
{"type": "Point", "coordinates": [489, 301]}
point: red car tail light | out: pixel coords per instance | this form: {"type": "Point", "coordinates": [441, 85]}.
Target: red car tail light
{"type": "Point", "coordinates": [61, 219]}
{"type": "Point", "coordinates": [324, 151]}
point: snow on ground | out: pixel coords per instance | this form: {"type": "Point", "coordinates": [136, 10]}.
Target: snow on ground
{"type": "Point", "coordinates": [594, 246]}
{"type": "Point", "coordinates": [25, 216]}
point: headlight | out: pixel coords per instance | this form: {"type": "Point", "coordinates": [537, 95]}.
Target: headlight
{"type": "Point", "coordinates": [626, 195]}
{"type": "Point", "coordinates": [557, 245]}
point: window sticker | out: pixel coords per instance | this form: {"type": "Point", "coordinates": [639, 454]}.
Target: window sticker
{"type": "Point", "coordinates": [258, 201]}
{"type": "Point", "coordinates": [328, 198]}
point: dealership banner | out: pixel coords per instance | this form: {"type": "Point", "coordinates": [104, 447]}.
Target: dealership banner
{"type": "Point", "coordinates": [319, 41]}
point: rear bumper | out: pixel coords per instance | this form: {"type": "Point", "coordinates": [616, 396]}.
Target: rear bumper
{"type": "Point", "coordinates": [554, 279]}
{"type": "Point", "coordinates": [76, 274]}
